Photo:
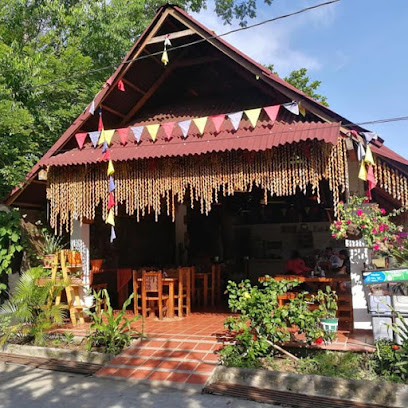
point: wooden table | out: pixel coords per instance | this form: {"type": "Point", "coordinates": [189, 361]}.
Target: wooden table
{"type": "Point", "coordinates": [170, 282]}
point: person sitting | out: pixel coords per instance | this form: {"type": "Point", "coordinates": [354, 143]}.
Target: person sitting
{"type": "Point", "coordinates": [295, 265]}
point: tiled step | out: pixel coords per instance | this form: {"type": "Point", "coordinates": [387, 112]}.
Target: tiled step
{"type": "Point", "coordinates": [177, 360]}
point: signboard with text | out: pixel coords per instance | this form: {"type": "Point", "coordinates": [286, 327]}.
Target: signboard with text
{"type": "Point", "coordinates": [384, 276]}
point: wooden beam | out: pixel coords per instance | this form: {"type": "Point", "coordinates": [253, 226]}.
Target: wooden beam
{"type": "Point", "coordinates": [153, 57]}
{"type": "Point", "coordinates": [133, 86]}
{"type": "Point", "coordinates": [27, 205]}
{"type": "Point", "coordinates": [172, 36]}
{"type": "Point", "coordinates": [115, 112]}
{"type": "Point", "coordinates": [196, 61]}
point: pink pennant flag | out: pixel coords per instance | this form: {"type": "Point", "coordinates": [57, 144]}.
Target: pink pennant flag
{"type": "Point", "coordinates": [272, 112]}
{"type": "Point", "coordinates": [168, 129]}
{"type": "Point", "coordinates": [372, 182]}
{"type": "Point", "coordinates": [123, 134]}
{"type": "Point", "coordinates": [111, 201]}
{"type": "Point", "coordinates": [121, 85]}
{"type": "Point", "coordinates": [218, 120]}
{"type": "Point", "coordinates": [106, 156]}
{"type": "Point", "coordinates": [80, 138]}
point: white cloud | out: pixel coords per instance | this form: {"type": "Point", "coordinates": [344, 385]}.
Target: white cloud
{"type": "Point", "coordinates": [273, 43]}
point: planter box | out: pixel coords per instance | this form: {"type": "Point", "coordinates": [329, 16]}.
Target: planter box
{"type": "Point", "coordinates": [400, 304]}
{"type": "Point", "coordinates": [380, 305]}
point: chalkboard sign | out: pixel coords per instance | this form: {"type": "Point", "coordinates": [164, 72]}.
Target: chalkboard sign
{"type": "Point", "coordinates": [388, 275]}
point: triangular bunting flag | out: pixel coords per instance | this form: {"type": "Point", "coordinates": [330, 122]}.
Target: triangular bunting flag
{"type": "Point", "coordinates": [354, 133]}
{"type": "Point", "coordinates": [370, 136]}
{"type": "Point", "coordinates": [200, 123]}
{"type": "Point", "coordinates": [94, 136]}
{"type": "Point", "coordinates": [121, 85]}
{"type": "Point", "coordinates": [100, 123]}
{"type": "Point", "coordinates": [106, 156]}
{"type": "Point", "coordinates": [272, 111]}
{"type": "Point", "coordinates": [111, 184]}
{"type": "Point", "coordinates": [111, 201]}
{"type": "Point", "coordinates": [253, 115]}
{"type": "Point", "coordinates": [153, 129]}
{"type": "Point", "coordinates": [109, 135]}
{"type": "Point", "coordinates": [372, 182]}
{"type": "Point", "coordinates": [111, 169]}
{"type": "Point", "coordinates": [168, 129]}
{"type": "Point", "coordinates": [185, 127]}
{"type": "Point", "coordinates": [92, 107]}
{"type": "Point", "coordinates": [165, 57]}
{"type": "Point", "coordinates": [368, 158]}
{"type": "Point", "coordinates": [102, 139]}
{"type": "Point", "coordinates": [218, 120]}
{"type": "Point", "coordinates": [302, 110]}
{"type": "Point", "coordinates": [113, 234]}
{"type": "Point", "coordinates": [362, 174]}
{"type": "Point", "coordinates": [137, 132]}
{"type": "Point", "coordinates": [235, 119]}
{"type": "Point", "coordinates": [104, 147]}
{"type": "Point", "coordinates": [167, 42]}
{"type": "Point", "coordinates": [110, 218]}
{"type": "Point", "coordinates": [123, 134]}
{"type": "Point", "coordinates": [360, 152]}
{"type": "Point", "coordinates": [292, 107]}
{"type": "Point", "coordinates": [80, 138]}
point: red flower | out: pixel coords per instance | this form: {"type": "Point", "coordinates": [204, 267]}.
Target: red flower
{"type": "Point", "coordinates": [362, 226]}
{"type": "Point", "coordinates": [376, 247]}
{"type": "Point", "coordinates": [348, 222]}
{"type": "Point", "coordinates": [254, 338]}
{"type": "Point", "coordinates": [319, 341]}
{"type": "Point", "coordinates": [383, 211]}
{"type": "Point", "coordinates": [374, 231]}
{"type": "Point", "coordinates": [334, 236]}
{"type": "Point", "coordinates": [359, 212]}
{"type": "Point", "coordinates": [395, 347]}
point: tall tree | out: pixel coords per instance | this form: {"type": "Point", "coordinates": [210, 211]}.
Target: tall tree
{"type": "Point", "coordinates": [43, 41]}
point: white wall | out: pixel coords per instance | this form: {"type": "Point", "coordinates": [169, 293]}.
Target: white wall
{"type": "Point", "coordinates": [80, 240]}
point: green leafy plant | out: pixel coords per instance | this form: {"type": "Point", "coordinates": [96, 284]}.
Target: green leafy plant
{"type": "Point", "coordinates": [51, 243]}
{"type": "Point", "coordinates": [68, 337]}
{"type": "Point", "coordinates": [31, 310]}
{"type": "Point", "coordinates": [327, 303]}
{"type": "Point", "coordinates": [110, 332]}
{"type": "Point", "coordinates": [263, 324]}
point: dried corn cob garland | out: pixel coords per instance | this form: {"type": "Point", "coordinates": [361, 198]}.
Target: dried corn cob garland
{"type": "Point", "coordinates": [145, 186]}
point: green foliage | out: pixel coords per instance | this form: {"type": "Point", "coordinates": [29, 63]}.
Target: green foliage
{"type": "Point", "coordinates": [232, 356]}
{"type": "Point", "coordinates": [51, 243]}
{"type": "Point", "coordinates": [262, 322]}
{"type": "Point", "coordinates": [300, 80]}
{"type": "Point", "coordinates": [347, 365]}
{"type": "Point", "coordinates": [44, 41]}
{"type": "Point", "coordinates": [68, 337]}
{"type": "Point", "coordinates": [327, 303]}
{"type": "Point", "coordinates": [10, 241]}
{"type": "Point", "coordinates": [31, 310]}
{"type": "Point", "coordinates": [110, 332]}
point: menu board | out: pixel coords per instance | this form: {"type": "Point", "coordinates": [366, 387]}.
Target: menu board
{"type": "Point", "coordinates": [387, 275]}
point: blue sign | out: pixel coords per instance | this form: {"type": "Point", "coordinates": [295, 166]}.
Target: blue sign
{"type": "Point", "coordinates": [374, 277]}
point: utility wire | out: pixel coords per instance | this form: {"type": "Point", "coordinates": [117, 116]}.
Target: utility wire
{"type": "Point", "coordinates": [92, 71]}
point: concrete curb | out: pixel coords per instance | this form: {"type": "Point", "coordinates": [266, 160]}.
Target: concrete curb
{"type": "Point", "coordinates": [381, 393]}
{"type": "Point", "coordinates": [59, 354]}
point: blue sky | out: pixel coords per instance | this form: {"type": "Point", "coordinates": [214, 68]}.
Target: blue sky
{"type": "Point", "coordinates": [357, 48]}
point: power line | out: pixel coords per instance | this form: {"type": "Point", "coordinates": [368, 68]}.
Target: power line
{"type": "Point", "coordinates": [92, 71]}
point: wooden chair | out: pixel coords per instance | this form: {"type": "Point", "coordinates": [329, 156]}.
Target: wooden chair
{"type": "Point", "coordinates": [210, 291]}
{"type": "Point", "coordinates": [183, 294]}
{"type": "Point", "coordinates": [152, 292]}
{"type": "Point", "coordinates": [137, 290]}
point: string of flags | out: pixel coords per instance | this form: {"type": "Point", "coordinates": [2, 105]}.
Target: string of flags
{"type": "Point", "coordinates": [253, 115]}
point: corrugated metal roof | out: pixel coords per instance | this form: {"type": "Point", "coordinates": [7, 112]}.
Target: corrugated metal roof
{"type": "Point", "coordinates": [264, 136]}
{"type": "Point", "coordinates": [386, 152]}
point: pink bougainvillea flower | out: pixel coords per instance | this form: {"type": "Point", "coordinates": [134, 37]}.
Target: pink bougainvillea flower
{"type": "Point", "coordinates": [382, 211]}
{"type": "Point", "coordinates": [334, 236]}
{"type": "Point", "coordinates": [374, 231]}
{"type": "Point", "coordinates": [359, 212]}
{"type": "Point", "coordinates": [381, 228]}
{"type": "Point", "coordinates": [348, 222]}
{"type": "Point", "coordinates": [362, 226]}
{"type": "Point", "coordinates": [376, 247]}
{"type": "Point", "coordinates": [385, 238]}
{"type": "Point", "coordinates": [338, 222]}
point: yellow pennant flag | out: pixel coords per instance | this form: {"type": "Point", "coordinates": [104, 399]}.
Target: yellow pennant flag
{"type": "Point", "coordinates": [200, 123]}
{"type": "Point", "coordinates": [109, 135]}
{"type": "Point", "coordinates": [362, 174]}
{"type": "Point", "coordinates": [153, 129]}
{"type": "Point", "coordinates": [253, 115]}
{"type": "Point", "coordinates": [101, 137]}
{"type": "Point", "coordinates": [111, 169]}
{"type": "Point", "coordinates": [111, 218]}
{"type": "Point", "coordinates": [368, 158]}
{"type": "Point", "coordinates": [165, 58]}
{"type": "Point", "coordinates": [302, 110]}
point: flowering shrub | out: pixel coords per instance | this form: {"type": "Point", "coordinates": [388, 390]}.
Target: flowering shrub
{"type": "Point", "coordinates": [370, 222]}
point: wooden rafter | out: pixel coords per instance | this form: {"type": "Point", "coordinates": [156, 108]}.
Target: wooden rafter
{"type": "Point", "coordinates": [172, 36]}
{"type": "Point", "coordinates": [111, 110]}
{"type": "Point", "coordinates": [133, 86]}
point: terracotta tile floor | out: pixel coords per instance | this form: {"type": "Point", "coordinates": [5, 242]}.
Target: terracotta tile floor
{"type": "Point", "coordinates": [185, 350]}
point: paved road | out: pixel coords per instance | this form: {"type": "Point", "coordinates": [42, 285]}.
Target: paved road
{"type": "Point", "coordinates": [25, 387]}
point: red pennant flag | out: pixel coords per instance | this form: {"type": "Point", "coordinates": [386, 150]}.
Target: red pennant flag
{"type": "Point", "coordinates": [354, 133]}
{"type": "Point", "coordinates": [168, 129]}
{"type": "Point", "coordinates": [372, 182]}
{"type": "Point", "coordinates": [121, 85]}
{"type": "Point", "coordinates": [100, 124]}
{"type": "Point", "coordinates": [106, 156]}
{"type": "Point", "coordinates": [272, 112]}
{"type": "Point", "coordinates": [80, 138]}
{"type": "Point", "coordinates": [218, 120]}
{"type": "Point", "coordinates": [123, 134]}
{"type": "Point", "coordinates": [111, 201]}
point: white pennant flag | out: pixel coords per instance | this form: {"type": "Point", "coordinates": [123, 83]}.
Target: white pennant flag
{"type": "Point", "coordinates": [370, 136]}
{"type": "Point", "coordinates": [360, 152]}
{"type": "Point", "coordinates": [167, 42]}
{"type": "Point", "coordinates": [185, 127]}
{"type": "Point", "coordinates": [137, 132]}
{"type": "Point", "coordinates": [235, 119]}
{"type": "Point", "coordinates": [292, 107]}
{"type": "Point", "coordinates": [92, 108]}
{"type": "Point", "coordinates": [94, 136]}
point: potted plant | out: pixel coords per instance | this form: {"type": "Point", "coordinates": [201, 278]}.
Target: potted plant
{"type": "Point", "coordinates": [97, 259]}
{"type": "Point", "coordinates": [49, 246]}
{"type": "Point", "coordinates": [328, 309]}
